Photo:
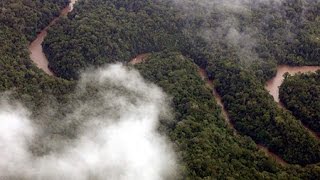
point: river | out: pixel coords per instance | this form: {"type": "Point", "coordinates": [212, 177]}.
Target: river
{"type": "Point", "coordinates": [273, 84]}
{"type": "Point", "coordinates": [36, 52]}
{"type": "Point", "coordinates": [209, 83]}
{"type": "Point", "coordinates": [39, 58]}
{"type": "Point", "coordinates": [139, 59]}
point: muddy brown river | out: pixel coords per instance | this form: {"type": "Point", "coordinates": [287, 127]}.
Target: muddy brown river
{"type": "Point", "coordinates": [225, 115]}
{"type": "Point", "coordinates": [139, 59]}
{"type": "Point", "coordinates": [203, 74]}
{"type": "Point", "coordinates": [273, 84]}
{"type": "Point", "coordinates": [39, 58]}
{"type": "Point", "coordinates": [209, 83]}
{"type": "Point", "coordinates": [35, 48]}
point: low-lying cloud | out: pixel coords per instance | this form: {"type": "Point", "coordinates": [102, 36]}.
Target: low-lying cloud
{"type": "Point", "coordinates": [237, 24]}
{"type": "Point", "coordinates": [115, 119]}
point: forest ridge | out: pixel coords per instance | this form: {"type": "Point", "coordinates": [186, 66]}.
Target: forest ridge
{"type": "Point", "coordinates": [239, 44]}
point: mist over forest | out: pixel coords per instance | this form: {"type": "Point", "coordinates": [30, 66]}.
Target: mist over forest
{"type": "Point", "coordinates": [159, 89]}
{"type": "Point", "coordinates": [111, 134]}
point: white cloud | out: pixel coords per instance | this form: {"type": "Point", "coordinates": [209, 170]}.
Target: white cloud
{"type": "Point", "coordinates": [117, 139]}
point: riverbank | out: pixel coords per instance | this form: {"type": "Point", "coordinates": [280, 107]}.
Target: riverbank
{"type": "Point", "coordinates": [273, 84]}
{"type": "Point", "coordinates": [35, 48]}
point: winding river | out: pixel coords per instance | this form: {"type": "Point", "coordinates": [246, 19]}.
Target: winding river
{"type": "Point", "coordinates": [39, 58]}
{"type": "Point", "coordinates": [209, 83]}
{"type": "Point", "coordinates": [139, 59]}
{"type": "Point", "coordinates": [273, 84]}
{"type": "Point", "coordinates": [36, 52]}
{"type": "Point", "coordinates": [273, 87]}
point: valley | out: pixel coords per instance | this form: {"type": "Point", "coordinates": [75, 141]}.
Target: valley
{"type": "Point", "coordinates": [205, 72]}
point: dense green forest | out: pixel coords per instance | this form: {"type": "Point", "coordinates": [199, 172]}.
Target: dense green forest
{"type": "Point", "coordinates": [206, 33]}
{"type": "Point", "coordinates": [240, 48]}
{"type": "Point", "coordinates": [228, 55]}
{"type": "Point", "coordinates": [126, 29]}
{"type": "Point", "coordinates": [255, 113]}
{"type": "Point", "coordinates": [29, 17]}
{"type": "Point", "coordinates": [301, 95]}
{"type": "Point", "coordinates": [19, 23]}
{"type": "Point", "coordinates": [208, 147]}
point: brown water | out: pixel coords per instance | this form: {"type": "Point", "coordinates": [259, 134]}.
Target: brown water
{"type": "Point", "coordinates": [273, 84]}
{"type": "Point", "coordinates": [203, 74]}
{"type": "Point", "coordinates": [139, 59]}
{"type": "Point", "coordinates": [272, 155]}
{"type": "Point", "coordinates": [218, 99]}
{"type": "Point", "coordinates": [36, 52]}
{"type": "Point", "coordinates": [209, 83]}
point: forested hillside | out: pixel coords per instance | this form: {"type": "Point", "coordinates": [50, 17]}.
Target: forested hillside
{"type": "Point", "coordinates": [206, 32]}
{"type": "Point", "coordinates": [230, 50]}
{"type": "Point", "coordinates": [239, 44]}
{"type": "Point", "coordinates": [126, 29]}
{"type": "Point", "coordinates": [20, 21]}
{"type": "Point", "coordinates": [203, 140]}
{"type": "Point", "coordinates": [301, 95]}
{"type": "Point", "coordinates": [29, 17]}
{"type": "Point", "coordinates": [255, 113]}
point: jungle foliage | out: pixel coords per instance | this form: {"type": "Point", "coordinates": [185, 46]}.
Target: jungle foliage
{"type": "Point", "coordinates": [301, 95]}
{"type": "Point", "coordinates": [239, 49]}
{"type": "Point", "coordinates": [254, 113]}
{"type": "Point", "coordinates": [19, 23]}
{"type": "Point", "coordinates": [207, 146]}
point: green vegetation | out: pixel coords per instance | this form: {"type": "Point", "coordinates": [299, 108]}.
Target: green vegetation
{"type": "Point", "coordinates": [29, 17]}
{"type": "Point", "coordinates": [208, 147]}
{"type": "Point", "coordinates": [268, 34]}
{"type": "Point", "coordinates": [126, 29]}
{"type": "Point", "coordinates": [238, 49]}
{"type": "Point", "coordinates": [255, 114]}
{"type": "Point", "coordinates": [301, 95]}
{"type": "Point", "coordinates": [19, 22]}
{"type": "Point", "coordinates": [240, 67]}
